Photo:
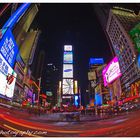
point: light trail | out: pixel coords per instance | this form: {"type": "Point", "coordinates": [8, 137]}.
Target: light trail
{"type": "Point", "coordinates": [38, 127]}
{"type": "Point", "coordinates": [20, 131]}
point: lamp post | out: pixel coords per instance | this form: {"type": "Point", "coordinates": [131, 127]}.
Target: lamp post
{"type": "Point", "coordinates": [39, 88]}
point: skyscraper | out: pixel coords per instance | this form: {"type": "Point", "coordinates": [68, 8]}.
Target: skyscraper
{"type": "Point", "coordinates": [27, 39]}
{"type": "Point", "coordinates": [120, 22]}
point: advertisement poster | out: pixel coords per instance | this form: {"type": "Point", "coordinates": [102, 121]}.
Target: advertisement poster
{"type": "Point", "coordinates": [9, 48]}
{"type": "Point", "coordinates": [67, 71]}
{"type": "Point", "coordinates": [111, 72]}
{"type": "Point", "coordinates": [68, 57]}
{"type": "Point", "coordinates": [6, 86]}
{"type": "Point", "coordinates": [67, 86]}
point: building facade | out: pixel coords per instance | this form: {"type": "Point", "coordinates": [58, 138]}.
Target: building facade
{"type": "Point", "coordinates": [27, 39]}
{"type": "Point", "coordinates": [120, 22]}
{"type": "Point", "coordinates": [98, 92]}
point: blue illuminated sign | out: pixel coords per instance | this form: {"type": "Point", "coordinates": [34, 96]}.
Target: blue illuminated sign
{"type": "Point", "coordinates": [16, 15]}
{"type": "Point", "coordinates": [96, 61]}
{"type": "Point", "coordinates": [8, 47]}
{"type": "Point", "coordinates": [68, 57]}
{"type": "Point", "coordinates": [76, 100]}
{"type": "Point", "coordinates": [139, 61]}
{"type": "Point", "coordinates": [98, 99]}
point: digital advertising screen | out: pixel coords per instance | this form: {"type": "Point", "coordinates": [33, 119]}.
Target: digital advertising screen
{"type": "Point", "coordinates": [8, 47]}
{"type": "Point", "coordinates": [6, 88]}
{"type": "Point", "coordinates": [92, 75]}
{"type": "Point", "coordinates": [67, 87]}
{"type": "Point", "coordinates": [67, 71]}
{"type": "Point", "coordinates": [98, 99]}
{"type": "Point", "coordinates": [135, 36]}
{"type": "Point", "coordinates": [111, 72]}
{"type": "Point", "coordinates": [68, 57]}
{"type": "Point", "coordinates": [68, 48]}
{"type": "Point", "coordinates": [96, 61]}
{"type": "Point", "coordinates": [75, 87]}
{"type": "Point", "coordinates": [76, 100]}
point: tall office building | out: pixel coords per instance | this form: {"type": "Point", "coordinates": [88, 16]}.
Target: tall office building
{"type": "Point", "coordinates": [50, 83]}
{"type": "Point", "coordinates": [120, 22]}
{"type": "Point", "coordinates": [102, 12]}
{"type": "Point", "coordinates": [27, 39]}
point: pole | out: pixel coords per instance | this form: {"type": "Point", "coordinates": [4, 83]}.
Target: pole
{"type": "Point", "coordinates": [39, 88]}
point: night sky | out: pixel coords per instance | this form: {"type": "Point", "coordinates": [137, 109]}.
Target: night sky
{"type": "Point", "coordinates": [74, 24]}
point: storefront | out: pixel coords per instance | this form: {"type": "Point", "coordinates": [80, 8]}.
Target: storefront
{"type": "Point", "coordinates": [135, 89]}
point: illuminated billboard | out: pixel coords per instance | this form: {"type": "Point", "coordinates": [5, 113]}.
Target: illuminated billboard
{"type": "Point", "coordinates": [76, 100]}
{"type": "Point", "coordinates": [67, 71]}
{"type": "Point", "coordinates": [68, 57]}
{"type": "Point", "coordinates": [96, 61]}
{"type": "Point", "coordinates": [75, 87]}
{"type": "Point", "coordinates": [135, 36]}
{"type": "Point", "coordinates": [67, 87]}
{"type": "Point", "coordinates": [9, 48]}
{"type": "Point", "coordinates": [16, 15]}
{"type": "Point", "coordinates": [92, 75]}
{"type": "Point", "coordinates": [28, 42]}
{"type": "Point", "coordinates": [6, 88]}
{"type": "Point", "coordinates": [22, 27]}
{"type": "Point", "coordinates": [111, 72]}
{"type": "Point", "coordinates": [98, 99]}
{"type": "Point", "coordinates": [68, 48]}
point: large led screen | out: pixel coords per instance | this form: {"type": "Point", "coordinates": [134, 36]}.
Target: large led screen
{"type": "Point", "coordinates": [98, 99]}
{"type": "Point", "coordinates": [68, 48]}
{"type": "Point", "coordinates": [67, 87]}
{"type": "Point", "coordinates": [67, 71]}
{"type": "Point", "coordinates": [95, 61]}
{"type": "Point", "coordinates": [6, 88]}
{"type": "Point", "coordinates": [68, 57]}
{"type": "Point", "coordinates": [8, 47]}
{"type": "Point", "coordinates": [135, 36]}
{"type": "Point", "coordinates": [111, 72]}
{"type": "Point", "coordinates": [76, 100]}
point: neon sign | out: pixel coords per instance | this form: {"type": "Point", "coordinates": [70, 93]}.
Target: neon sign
{"type": "Point", "coordinates": [111, 72]}
{"type": "Point", "coordinates": [16, 15]}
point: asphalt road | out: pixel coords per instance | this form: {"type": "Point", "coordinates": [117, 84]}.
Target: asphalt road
{"type": "Point", "coordinates": [15, 123]}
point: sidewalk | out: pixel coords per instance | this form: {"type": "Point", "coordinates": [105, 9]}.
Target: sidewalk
{"type": "Point", "coordinates": [59, 117]}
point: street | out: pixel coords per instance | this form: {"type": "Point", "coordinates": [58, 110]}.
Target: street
{"type": "Point", "coordinates": [23, 124]}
